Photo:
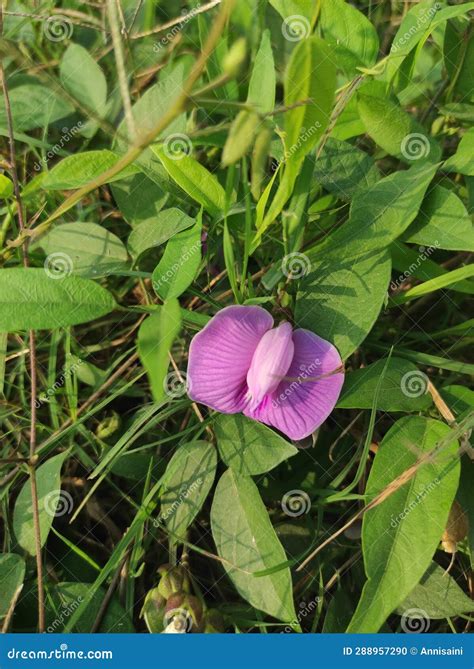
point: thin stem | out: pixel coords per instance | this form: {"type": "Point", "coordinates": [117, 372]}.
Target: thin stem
{"type": "Point", "coordinates": [142, 142]}
{"type": "Point", "coordinates": [120, 64]}
{"type": "Point", "coordinates": [32, 352]}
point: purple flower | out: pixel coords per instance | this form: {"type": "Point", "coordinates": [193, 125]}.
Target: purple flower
{"type": "Point", "coordinates": [289, 379]}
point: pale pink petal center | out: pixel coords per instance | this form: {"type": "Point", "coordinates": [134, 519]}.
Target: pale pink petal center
{"type": "Point", "coordinates": [270, 363]}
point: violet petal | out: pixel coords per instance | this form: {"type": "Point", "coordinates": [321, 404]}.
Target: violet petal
{"type": "Point", "coordinates": [221, 354]}
{"type": "Point", "coordinates": [300, 403]}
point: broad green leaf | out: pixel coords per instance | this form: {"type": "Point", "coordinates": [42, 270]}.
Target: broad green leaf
{"type": "Point", "coordinates": [463, 160]}
{"type": "Point", "coordinates": [438, 595]}
{"type": "Point", "coordinates": [139, 198]}
{"type": "Point", "coordinates": [194, 179]}
{"type": "Point", "coordinates": [50, 500]}
{"type": "Point", "coordinates": [6, 187]}
{"type": "Point", "coordinates": [351, 35]}
{"type": "Point", "coordinates": [179, 263]}
{"type": "Point", "coordinates": [340, 299]}
{"type": "Point", "coordinates": [400, 535]}
{"type": "Point", "coordinates": [396, 131]}
{"type": "Point", "coordinates": [34, 106]}
{"type": "Point", "coordinates": [84, 79]}
{"type": "Point", "coordinates": [155, 338]}
{"type": "Point", "coordinates": [458, 54]}
{"type": "Point", "coordinates": [415, 28]}
{"type": "Point", "coordinates": [381, 213]}
{"type": "Point", "coordinates": [459, 398]}
{"type": "Point", "coordinates": [65, 597]}
{"type": "Point", "coordinates": [77, 170]}
{"type": "Point", "coordinates": [186, 484]}
{"type": "Point", "coordinates": [246, 541]}
{"type": "Point", "coordinates": [12, 574]}
{"type": "Point", "coordinates": [295, 9]}
{"type": "Point", "coordinates": [261, 93]}
{"type": "Point", "coordinates": [443, 222]}
{"type": "Point", "coordinates": [342, 169]}
{"type": "Point", "coordinates": [93, 250]}
{"type": "Point", "coordinates": [403, 388]}
{"type": "Point", "coordinates": [241, 136]}
{"type": "Point", "coordinates": [46, 299]}
{"type": "Point", "coordinates": [310, 75]}
{"type": "Point", "coordinates": [156, 231]}
{"type": "Point", "coordinates": [248, 447]}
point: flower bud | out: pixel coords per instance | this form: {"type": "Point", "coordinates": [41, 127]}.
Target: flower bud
{"type": "Point", "coordinates": [153, 611]}
{"type": "Point", "coordinates": [235, 57]}
{"type": "Point", "coordinates": [173, 579]}
{"type": "Point", "coordinates": [185, 612]}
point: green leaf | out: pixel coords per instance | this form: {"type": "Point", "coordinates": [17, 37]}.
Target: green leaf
{"type": "Point", "coordinates": [249, 447]}
{"type": "Point", "coordinates": [12, 574]}
{"type": "Point", "coordinates": [443, 222]}
{"type": "Point", "coordinates": [6, 187]}
{"type": "Point", "coordinates": [294, 8]}
{"type": "Point", "coordinates": [240, 138]}
{"type": "Point", "coordinates": [350, 34]}
{"type": "Point", "coordinates": [310, 75]}
{"type": "Point", "coordinates": [403, 387]}
{"type": "Point", "coordinates": [400, 535]}
{"type": "Point", "coordinates": [77, 170]}
{"type": "Point", "coordinates": [179, 263]}
{"type": "Point", "coordinates": [444, 281]}
{"type": "Point", "coordinates": [261, 93]}
{"type": "Point", "coordinates": [343, 169]}
{"type": "Point", "coordinates": [155, 338]}
{"type": "Point", "coordinates": [93, 250]}
{"type": "Point", "coordinates": [463, 160]}
{"type": "Point", "coordinates": [381, 213]}
{"type": "Point", "coordinates": [34, 106]}
{"type": "Point", "coordinates": [157, 230]}
{"type": "Point", "coordinates": [65, 598]}
{"type": "Point", "coordinates": [341, 299]}
{"type": "Point", "coordinates": [83, 79]}
{"type": "Point", "coordinates": [187, 481]}
{"type": "Point", "coordinates": [395, 131]}
{"type": "Point", "coordinates": [437, 595]}
{"type": "Point", "coordinates": [246, 541]}
{"type": "Point", "coordinates": [416, 27]}
{"type": "Point", "coordinates": [139, 199]}
{"type": "Point", "coordinates": [194, 179]}
{"type": "Point", "coordinates": [46, 299]}
{"type": "Point", "coordinates": [50, 499]}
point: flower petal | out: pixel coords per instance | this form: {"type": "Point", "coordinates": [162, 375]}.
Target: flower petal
{"type": "Point", "coordinates": [300, 404]}
{"type": "Point", "coordinates": [220, 357]}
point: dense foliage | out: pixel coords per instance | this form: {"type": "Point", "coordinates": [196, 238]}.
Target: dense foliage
{"type": "Point", "coordinates": [163, 160]}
